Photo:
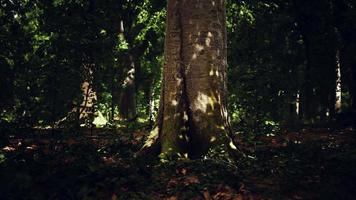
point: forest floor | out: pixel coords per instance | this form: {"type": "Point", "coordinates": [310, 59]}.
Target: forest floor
{"type": "Point", "coordinates": [100, 164]}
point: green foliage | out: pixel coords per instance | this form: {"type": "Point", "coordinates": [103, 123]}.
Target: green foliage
{"type": "Point", "coordinates": [2, 158]}
{"type": "Point", "coordinates": [46, 46]}
{"type": "Point", "coordinates": [265, 50]}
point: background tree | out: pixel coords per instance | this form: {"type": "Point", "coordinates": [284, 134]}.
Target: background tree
{"type": "Point", "coordinates": [346, 24]}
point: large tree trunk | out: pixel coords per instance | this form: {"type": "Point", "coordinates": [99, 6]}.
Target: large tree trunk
{"type": "Point", "coordinates": [192, 116]}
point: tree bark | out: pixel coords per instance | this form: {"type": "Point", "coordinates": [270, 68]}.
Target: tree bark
{"type": "Point", "coordinates": [192, 116]}
{"type": "Point", "coordinates": [128, 99]}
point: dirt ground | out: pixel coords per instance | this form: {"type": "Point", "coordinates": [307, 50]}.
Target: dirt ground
{"type": "Point", "coordinates": [101, 164]}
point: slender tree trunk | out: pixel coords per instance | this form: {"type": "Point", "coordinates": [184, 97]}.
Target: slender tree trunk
{"type": "Point", "coordinates": [353, 83]}
{"type": "Point", "coordinates": [149, 96]}
{"type": "Point", "coordinates": [332, 66]}
{"type": "Point", "coordinates": [354, 95]}
{"type": "Point", "coordinates": [127, 99]}
{"type": "Point", "coordinates": [53, 106]}
{"type": "Point", "coordinates": [346, 25]}
{"type": "Point", "coordinates": [86, 111]}
{"type": "Point", "coordinates": [113, 92]}
{"type": "Point", "coordinates": [338, 88]}
{"type": "Point", "coordinates": [307, 95]}
{"type": "Point", "coordinates": [192, 115]}
{"type": "Point", "coordinates": [320, 41]}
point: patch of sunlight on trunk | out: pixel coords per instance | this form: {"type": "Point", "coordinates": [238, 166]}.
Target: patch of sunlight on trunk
{"type": "Point", "coordinates": [208, 39]}
{"type": "Point", "coordinates": [221, 127]}
{"type": "Point", "coordinates": [213, 139]}
{"type": "Point", "coordinates": [207, 42]}
{"type": "Point", "coordinates": [152, 137]}
{"type": "Point", "coordinates": [185, 116]}
{"type": "Point", "coordinates": [199, 47]}
{"type": "Point", "coordinates": [203, 101]}
{"type": "Point", "coordinates": [231, 144]}
{"type": "Point", "coordinates": [174, 103]}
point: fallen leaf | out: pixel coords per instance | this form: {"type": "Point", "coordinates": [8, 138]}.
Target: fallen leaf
{"type": "Point", "coordinates": [206, 195]}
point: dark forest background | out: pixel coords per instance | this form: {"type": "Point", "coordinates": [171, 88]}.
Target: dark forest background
{"type": "Point", "coordinates": [80, 86]}
{"type": "Point", "coordinates": [290, 62]}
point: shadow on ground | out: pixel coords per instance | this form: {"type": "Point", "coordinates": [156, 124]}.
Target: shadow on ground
{"type": "Point", "coordinates": [309, 164]}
